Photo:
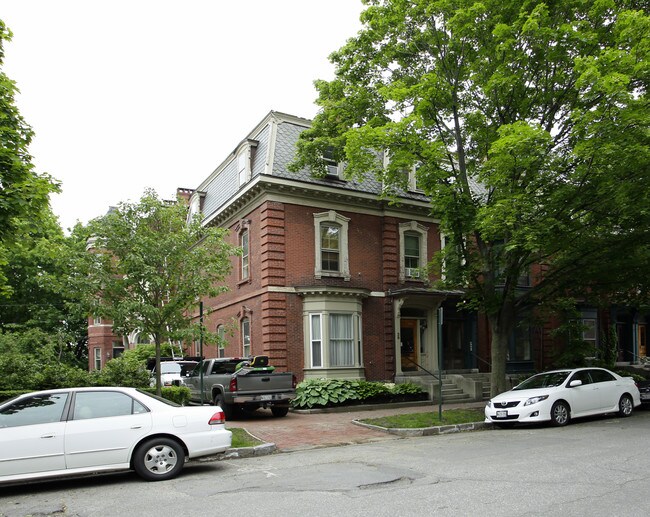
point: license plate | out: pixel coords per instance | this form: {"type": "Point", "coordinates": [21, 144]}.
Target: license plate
{"type": "Point", "coordinates": [502, 414]}
{"type": "Point", "coordinates": [266, 397]}
{"type": "Point", "coordinates": [645, 396]}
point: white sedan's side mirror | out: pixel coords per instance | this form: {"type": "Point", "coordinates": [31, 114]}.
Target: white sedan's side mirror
{"type": "Point", "coordinates": [575, 383]}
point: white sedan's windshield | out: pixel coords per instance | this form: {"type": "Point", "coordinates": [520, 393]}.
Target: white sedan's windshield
{"type": "Point", "coordinates": [543, 380]}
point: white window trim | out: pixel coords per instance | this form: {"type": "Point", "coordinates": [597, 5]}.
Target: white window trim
{"type": "Point", "coordinates": [323, 306]}
{"type": "Point", "coordinates": [312, 340]}
{"type": "Point", "coordinates": [245, 259]}
{"type": "Point", "coordinates": [412, 227]}
{"type": "Point", "coordinates": [344, 261]}
{"type": "Point", "coordinates": [243, 337]}
{"type": "Point", "coordinates": [243, 174]}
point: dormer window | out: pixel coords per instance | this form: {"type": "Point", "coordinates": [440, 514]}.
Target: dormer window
{"type": "Point", "coordinates": [333, 167]}
{"type": "Point", "coordinates": [243, 166]}
{"type": "Point", "coordinates": [243, 160]}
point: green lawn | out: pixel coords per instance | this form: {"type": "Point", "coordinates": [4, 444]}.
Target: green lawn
{"type": "Point", "coordinates": [418, 420]}
{"type": "Point", "coordinates": [241, 438]}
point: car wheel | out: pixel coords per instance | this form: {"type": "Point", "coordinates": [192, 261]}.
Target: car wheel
{"type": "Point", "coordinates": [625, 406]}
{"type": "Point", "coordinates": [279, 411]}
{"type": "Point", "coordinates": [560, 414]}
{"type": "Point", "coordinates": [159, 459]}
{"type": "Point", "coordinates": [227, 409]}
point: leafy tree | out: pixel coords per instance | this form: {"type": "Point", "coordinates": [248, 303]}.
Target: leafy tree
{"type": "Point", "coordinates": [149, 266]}
{"type": "Point", "coordinates": [23, 192]}
{"type": "Point", "coordinates": [39, 293]}
{"type": "Point", "coordinates": [527, 123]}
{"type": "Point", "coordinates": [32, 359]}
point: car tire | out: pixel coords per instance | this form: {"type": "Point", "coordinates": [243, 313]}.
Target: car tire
{"type": "Point", "coordinates": [625, 406]}
{"type": "Point", "coordinates": [279, 411]}
{"type": "Point", "coordinates": [227, 409]}
{"type": "Point", "coordinates": [159, 459]}
{"type": "Point", "coordinates": [560, 413]}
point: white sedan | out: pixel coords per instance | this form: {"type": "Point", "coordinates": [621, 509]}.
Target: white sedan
{"type": "Point", "coordinates": [561, 395]}
{"type": "Point", "coordinates": [81, 430]}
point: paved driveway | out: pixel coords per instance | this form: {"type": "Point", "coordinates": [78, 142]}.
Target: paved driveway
{"type": "Point", "coordinates": [298, 431]}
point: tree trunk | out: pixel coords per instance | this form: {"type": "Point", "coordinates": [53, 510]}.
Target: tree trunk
{"type": "Point", "coordinates": [501, 327]}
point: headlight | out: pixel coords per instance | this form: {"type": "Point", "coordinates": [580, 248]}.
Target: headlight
{"type": "Point", "coordinates": [535, 400]}
{"type": "Point", "coordinates": [489, 403]}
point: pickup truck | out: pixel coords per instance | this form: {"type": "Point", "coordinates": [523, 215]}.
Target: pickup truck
{"type": "Point", "coordinates": [242, 383]}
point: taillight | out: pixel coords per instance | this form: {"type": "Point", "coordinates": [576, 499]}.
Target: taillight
{"type": "Point", "coordinates": [233, 384]}
{"type": "Point", "coordinates": [218, 418]}
{"type": "Point", "coordinates": [294, 382]}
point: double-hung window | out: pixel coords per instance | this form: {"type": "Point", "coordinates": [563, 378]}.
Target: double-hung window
{"type": "Point", "coordinates": [330, 246]}
{"type": "Point", "coordinates": [412, 255]}
{"type": "Point", "coordinates": [316, 340]}
{"type": "Point", "coordinates": [341, 340]}
{"type": "Point", "coordinates": [246, 337]}
{"type": "Point", "coordinates": [331, 239]}
{"type": "Point", "coordinates": [245, 256]}
{"type": "Point", "coordinates": [413, 250]}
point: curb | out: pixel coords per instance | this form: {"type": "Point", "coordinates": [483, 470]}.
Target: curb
{"type": "Point", "coordinates": [243, 452]}
{"type": "Point", "coordinates": [429, 431]}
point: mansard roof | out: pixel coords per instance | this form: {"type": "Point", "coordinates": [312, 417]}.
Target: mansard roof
{"type": "Point", "coordinates": [272, 147]}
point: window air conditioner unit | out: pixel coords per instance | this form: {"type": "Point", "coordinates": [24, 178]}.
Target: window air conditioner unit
{"type": "Point", "coordinates": [412, 272]}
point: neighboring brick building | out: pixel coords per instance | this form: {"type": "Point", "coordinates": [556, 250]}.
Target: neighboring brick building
{"type": "Point", "coordinates": [332, 280]}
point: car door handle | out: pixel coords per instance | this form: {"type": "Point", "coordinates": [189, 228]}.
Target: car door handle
{"type": "Point", "coordinates": [47, 436]}
{"type": "Point", "coordinates": [136, 427]}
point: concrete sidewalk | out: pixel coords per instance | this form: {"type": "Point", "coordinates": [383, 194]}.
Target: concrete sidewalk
{"type": "Point", "coordinates": [299, 430]}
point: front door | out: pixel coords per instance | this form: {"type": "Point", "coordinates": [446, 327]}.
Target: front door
{"type": "Point", "coordinates": [409, 344]}
{"type": "Point", "coordinates": [642, 336]}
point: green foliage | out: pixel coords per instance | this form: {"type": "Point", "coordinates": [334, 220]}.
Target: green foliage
{"type": "Point", "coordinates": [407, 388]}
{"type": "Point", "coordinates": [527, 124]}
{"type": "Point", "coordinates": [324, 392]}
{"type": "Point", "coordinates": [370, 389]}
{"type": "Point", "coordinates": [126, 370]}
{"type": "Point", "coordinates": [335, 392]}
{"type": "Point", "coordinates": [34, 360]}
{"type": "Point", "coordinates": [178, 394]}
{"type": "Point", "coordinates": [23, 192]}
{"type": "Point", "coordinates": [149, 268]}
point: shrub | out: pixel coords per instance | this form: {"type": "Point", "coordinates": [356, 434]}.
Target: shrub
{"type": "Point", "coordinates": [408, 388]}
{"type": "Point", "coordinates": [178, 394]}
{"type": "Point", "coordinates": [335, 392]}
{"type": "Point", "coordinates": [371, 389]}
{"type": "Point", "coordinates": [324, 392]}
{"type": "Point", "coordinates": [123, 371]}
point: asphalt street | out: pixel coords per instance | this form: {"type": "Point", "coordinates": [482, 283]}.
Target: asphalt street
{"type": "Point", "coordinates": [597, 467]}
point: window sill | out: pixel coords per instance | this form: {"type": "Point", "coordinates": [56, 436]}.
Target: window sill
{"type": "Point", "coordinates": [243, 282]}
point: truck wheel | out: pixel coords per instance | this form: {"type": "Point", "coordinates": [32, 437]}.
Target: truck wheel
{"type": "Point", "coordinates": [279, 411]}
{"type": "Point", "coordinates": [220, 401]}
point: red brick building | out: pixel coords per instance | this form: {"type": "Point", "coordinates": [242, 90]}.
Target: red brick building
{"type": "Point", "coordinates": [332, 282]}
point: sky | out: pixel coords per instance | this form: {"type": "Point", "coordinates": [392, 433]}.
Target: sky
{"type": "Point", "coordinates": [126, 95]}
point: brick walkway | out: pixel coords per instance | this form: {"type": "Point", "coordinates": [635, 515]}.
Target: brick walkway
{"type": "Point", "coordinates": [299, 431]}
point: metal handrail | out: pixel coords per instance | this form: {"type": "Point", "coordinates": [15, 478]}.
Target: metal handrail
{"type": "Point", "coordinates": [421, 367]}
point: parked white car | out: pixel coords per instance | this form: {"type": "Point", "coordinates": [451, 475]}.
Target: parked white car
{"type": "Point", "coordinates": [561, 395]}
{"type": "Point", "coordinates": [82, 430]}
